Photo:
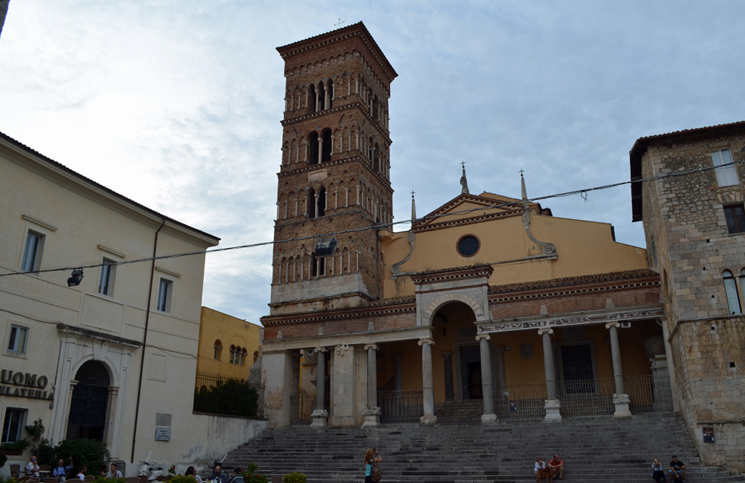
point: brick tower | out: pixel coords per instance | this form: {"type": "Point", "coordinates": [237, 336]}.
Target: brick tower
{"type": "Point", "coordinates": [335, 172]}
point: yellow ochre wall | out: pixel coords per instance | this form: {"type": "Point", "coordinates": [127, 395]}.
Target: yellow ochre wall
{"type": "Point", "coordinates": [229, 330]}
{"type": "Point", "coordinates": [583, 248]}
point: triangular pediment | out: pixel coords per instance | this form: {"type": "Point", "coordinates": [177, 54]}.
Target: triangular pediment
{"type": "Point", "coordinates": [473, 208]}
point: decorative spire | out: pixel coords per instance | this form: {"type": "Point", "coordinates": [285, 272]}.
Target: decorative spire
{"type": "Point", "coordinates": [522, 182]}
{"type": "Point", "coordinates": [413, 208]}
{"type": "Point", "coordinates": [463, 180]}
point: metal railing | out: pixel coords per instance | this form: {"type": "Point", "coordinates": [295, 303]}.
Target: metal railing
{"type": "Point", "coordinates": [648, 395]}
{"type": "Point", "coordinates": [586, 397]}
{"type": "Point", "coordinates": [400, 406]}
{"type": "Point", "coordinates": [303, 406]}
{"type": "Point", "coordinates": [524, 401]}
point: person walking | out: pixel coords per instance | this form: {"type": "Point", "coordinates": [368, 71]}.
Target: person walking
{"type": "Point", "coordinates": [371, 457]}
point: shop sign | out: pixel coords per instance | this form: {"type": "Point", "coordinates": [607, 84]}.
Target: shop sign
{"type": "Point", "coordinates": [30, 385]}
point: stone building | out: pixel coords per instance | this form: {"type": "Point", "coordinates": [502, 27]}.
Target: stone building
{"type": "Point", "coordinates": [488, 303]}
{"type": "Point", "coordinates": [695, 232]}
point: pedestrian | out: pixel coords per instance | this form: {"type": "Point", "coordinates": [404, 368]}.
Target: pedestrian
{"type": "Point", "coordinates": [371, 457]}
{"type": "Point", "coordinates": [190, 471]}
{"type": "Point", "coordinates": [658, 474]}
{"type": "Point", "coordinates": [114, 472]}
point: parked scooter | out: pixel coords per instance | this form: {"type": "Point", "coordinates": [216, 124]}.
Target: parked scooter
{"type": "Point", "coordinates": [150, 469]}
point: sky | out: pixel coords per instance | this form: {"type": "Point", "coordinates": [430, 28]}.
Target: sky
{"type": "Point", "coordinates": [177, 104]}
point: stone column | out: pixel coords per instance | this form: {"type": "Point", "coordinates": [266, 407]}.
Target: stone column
{"type": "Point", "coordinates": [372, 414]}
{"type": "Point", "coordinates": [486, 380]}
{"type": "Point", "coordinates": [620, 398]}
{"type": "Point", "coordinates": [428, 393]}
{"type": "Point", "coordinates": [448, 356]}
{"type": "Point", "coordinates": [552, 405]}
{"type": "Point", "coordinates": [501, 374]}
{"type": "Point", "coordinates": [320, 415]}
{"type": "Point", "coordinates": [397, 372]}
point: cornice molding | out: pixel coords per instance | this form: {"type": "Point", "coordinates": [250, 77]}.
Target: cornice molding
{"type": "Point", "coordinates": [451, 274]}
{"type": "Point", "coordinates": [358, 159]}
{"type": "Point", "coordinates": [343, 314]}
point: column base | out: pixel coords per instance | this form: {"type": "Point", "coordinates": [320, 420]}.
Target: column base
{"type": "Point", "coordinates": [489, 418]}
{"type": "Point", "coordinates": [428, 419]}
{"type": "Point", "coordinates": [372, 418]}
{"type": "Point", "coordinates": [320, 419]}
{"type": "Point", "coordinates": [552, 407]}
{"type": "Point", "coordinates": [621, 401]}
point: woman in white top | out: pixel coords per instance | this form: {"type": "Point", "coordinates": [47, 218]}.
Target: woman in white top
{"type": "Point", "coordinates": [81, 473]}
{"type": "Point", "coordinates": [539, 465]}
{"type": "Point", "coordinates": [190, 471]}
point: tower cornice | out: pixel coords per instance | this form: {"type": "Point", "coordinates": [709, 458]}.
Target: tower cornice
{"type": "Point", "coordinates": [343, 34]}
{"type": "Point", "coordinates": [313, 167]}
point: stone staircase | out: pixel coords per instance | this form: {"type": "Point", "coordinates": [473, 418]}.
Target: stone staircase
{"type": "Point", "coordinates": [593, 449]}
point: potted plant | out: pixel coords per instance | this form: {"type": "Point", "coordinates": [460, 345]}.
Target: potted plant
{"type": "Point", "coordinates": [15, 448]}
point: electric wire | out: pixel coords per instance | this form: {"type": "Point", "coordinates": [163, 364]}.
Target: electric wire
{"type": "Point", "coordinates": [582, 192]}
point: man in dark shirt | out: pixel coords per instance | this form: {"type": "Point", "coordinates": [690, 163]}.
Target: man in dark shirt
{"type": "Point", "coordinates": [677, 470]}
{"type": "Point", "coordinates": [237, 477]}
{"type": "Point", "coordinates": [219, 475]}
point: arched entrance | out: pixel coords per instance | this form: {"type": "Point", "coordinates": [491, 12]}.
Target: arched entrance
{"type": "Point", "coordinates": [89, 402]}
{"type": "Point", "coordinates": [454, 333]}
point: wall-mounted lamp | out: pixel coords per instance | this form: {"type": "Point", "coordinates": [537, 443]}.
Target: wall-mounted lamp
{"type": "Point", "coordinates": [77, 277]}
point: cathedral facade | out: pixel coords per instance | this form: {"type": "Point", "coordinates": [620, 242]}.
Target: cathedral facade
{"type": "Point", "coordinates": [489, 303]}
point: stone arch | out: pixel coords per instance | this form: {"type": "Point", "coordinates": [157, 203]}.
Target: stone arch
{"type": "Point", "coordinates": [442, 300]}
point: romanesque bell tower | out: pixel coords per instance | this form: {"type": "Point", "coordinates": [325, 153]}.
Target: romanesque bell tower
{"type": "Point", "coordinates": [335, 173]}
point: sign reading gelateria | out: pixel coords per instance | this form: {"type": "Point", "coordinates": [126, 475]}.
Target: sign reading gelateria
{"type": "Point", "coordinates": [32, 385]}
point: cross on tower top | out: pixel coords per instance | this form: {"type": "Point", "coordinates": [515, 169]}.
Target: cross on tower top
{"type": "Point", "coordinates": [521, 172]}
{"type": "Point", "coordinates": [337, 25]}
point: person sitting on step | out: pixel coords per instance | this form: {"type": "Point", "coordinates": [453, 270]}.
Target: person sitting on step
{"type": "Point", "coordinates": [677, 471]}
{"type": "Point", "coordinates": [557, 465]}
{"type": "Point", "coordinates": [658, 474]}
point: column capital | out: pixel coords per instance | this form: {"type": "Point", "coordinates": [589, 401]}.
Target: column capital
{"type": "Point", "coordinates": [341, 349]}
{"type": "Point", "coordinates": [612, 324]}
{"type": "Point", "coordinates": [483, 336]}
{"type": "Point", "coordinates": [371, 346]}
{"type": "Point", "coordinates": [429, 342]}
{"type": "Point", "coordinates": [545, 331]}
{"type": "Point", "coordinates": [320, 349]}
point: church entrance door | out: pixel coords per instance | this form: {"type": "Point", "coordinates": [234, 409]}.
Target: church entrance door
{"type": "Point", "coordinates": [89, 402]}
{"type": "Point", "coordinates": [470, 363]}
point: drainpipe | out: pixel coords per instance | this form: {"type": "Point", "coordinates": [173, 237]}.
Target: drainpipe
{"type": "Point", "coordinates": [144, 339]}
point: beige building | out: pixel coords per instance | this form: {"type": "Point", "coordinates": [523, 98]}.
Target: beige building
{"type": "Point", "coordinates": [228, 347]}
{"type": "Point", "coordinates": [112, 357]}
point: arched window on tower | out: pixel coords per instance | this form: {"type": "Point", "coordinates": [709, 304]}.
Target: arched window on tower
{"type": "Point", "coordinates": [376, 109]}
{"type": "Point", "coordinates": [330, 99]}
{"type": "Point", "coordinates": [313, 148]}
{"type": "Point", "coordinates": [376, 161]}
{"type": "Point", "coordinates": [322, 202]}
{"type": "Point", "coordinates": [312, 203]}
{"type": "Point", "coordinates": [326, 146]}
{"type": "Point", "coordinates": [312, 98]}
{"type": "Point", "coordinates": [321, 98]}
{"type": "Point", "coordinates": [730, 287]}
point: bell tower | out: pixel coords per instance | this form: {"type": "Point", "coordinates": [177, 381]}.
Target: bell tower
{"type": "Point", "coordinates": [335, 173]}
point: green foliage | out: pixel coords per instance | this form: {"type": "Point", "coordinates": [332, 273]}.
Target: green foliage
{"type": "Point", "coordinates": [45, 454]}
{"type": "Point", "coordinates": [180, 479]}
{"type": "Point", "coordinates": [19, 445]}
{"type": "Point", "coordinates": [232, 396]}
{"type": "Point", "coordinates": [8, 479]}
{"type": "Point", "coordinates": [250, 475]}
{"type": "Point", "coordinates": [295, 478]}
{"type": "Point", "coordinates": [85, 452]}
{"type": "Point", "coordinates": [36, 431]}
